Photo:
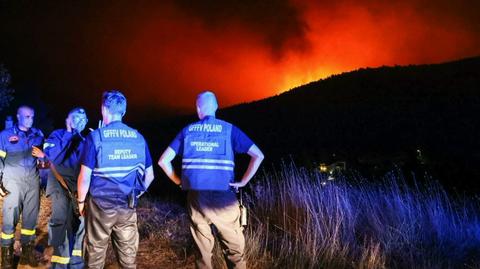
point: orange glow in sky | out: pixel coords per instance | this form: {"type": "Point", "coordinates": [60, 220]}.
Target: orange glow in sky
{"type": "Point", "coordinates": [187, 55]}
{"type": "Point", "coordinates": [163, 54]}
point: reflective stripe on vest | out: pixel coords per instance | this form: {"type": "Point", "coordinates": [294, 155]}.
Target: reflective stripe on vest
{"type": "Point", "coordinates": [208, 158]}
{"type": "Point", "coordinates": [210, 164]}
{"type": "Point", "coordinates": [118, 172]}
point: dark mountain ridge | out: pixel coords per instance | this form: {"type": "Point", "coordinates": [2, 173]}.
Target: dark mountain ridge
{"type": "Point", "coordinates": [416, 117]}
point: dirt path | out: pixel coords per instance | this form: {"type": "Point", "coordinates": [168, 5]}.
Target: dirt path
{"type": "Point", "coordinates": [151, 254]}
{"type": "Point", "coordinates": [43, 253]}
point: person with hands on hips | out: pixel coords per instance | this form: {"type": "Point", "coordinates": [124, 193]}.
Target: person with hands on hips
{"type": "Point", "coordinates": [207, 148]}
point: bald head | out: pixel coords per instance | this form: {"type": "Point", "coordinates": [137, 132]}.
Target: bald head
{"type": "Point", "coordinates": [25, 116]}
{"type": "Point", "coordinates": [206, 104]}
{"type": "Point", "coordinates": [23, 108]}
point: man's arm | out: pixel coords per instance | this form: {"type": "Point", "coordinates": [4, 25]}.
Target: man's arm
{"type": "Point", "coordinates": [256, 158]}
{"type": "Point", "coordinates": [165, 163]}
{"type": "Point", "coordinates": [83, 184]}
{"type": "Point", "coordinates": [148, 176]}
{"type": "Point", "coordinates": [57, 145]}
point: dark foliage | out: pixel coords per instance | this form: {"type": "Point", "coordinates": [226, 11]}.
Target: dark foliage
{"type": "Point", "coordinates": [6, 93]}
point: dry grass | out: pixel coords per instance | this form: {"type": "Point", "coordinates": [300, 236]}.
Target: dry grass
{"type": "Point", "coordinates": [165, 240]}
{"type": "Point", "coordinates": [296, 222]}
{"type": "Point", "coordinates": [43, 252]}
{"type": "Point", "coordinates": [299, 223]}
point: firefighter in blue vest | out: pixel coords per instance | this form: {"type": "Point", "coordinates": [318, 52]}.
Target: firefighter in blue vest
{"type": "Point", "coordinates": [207, 148]}
{"type": "Point", "coordinates": [21, 179]}
{"type": "Point", "coordinates": [66, 230]}
{"type": "Point", "coordinates": [116, 168]}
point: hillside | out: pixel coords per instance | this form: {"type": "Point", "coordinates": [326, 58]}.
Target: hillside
{"type": "Point", "coordinates": [375, 118]}
{"type": "Point", "coordinates": [418, 118]}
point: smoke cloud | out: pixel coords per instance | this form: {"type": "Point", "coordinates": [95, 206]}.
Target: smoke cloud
{"type": "Point", "coordinates": [163, 54]}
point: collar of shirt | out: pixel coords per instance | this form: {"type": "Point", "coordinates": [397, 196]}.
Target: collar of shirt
{"type": "Point", "coordinates": [117, 122]}
{"type": "Point", "coordinates": [208, 117]}
{"type": "Point", "coordinates": [18, 131]}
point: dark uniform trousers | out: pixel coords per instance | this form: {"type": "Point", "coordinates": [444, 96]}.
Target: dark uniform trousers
{"type": "Point", "coordinates": [121, 224]}
{"type": "Point", "coordinates": [221, 209]}
{"type": "Point", "coordinates": [66, 233]}
{"type": "Point", "coordinates": [24, 198]}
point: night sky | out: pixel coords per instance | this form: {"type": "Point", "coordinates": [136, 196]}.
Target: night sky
{"type": "Point", "coordinates": [162, 53]}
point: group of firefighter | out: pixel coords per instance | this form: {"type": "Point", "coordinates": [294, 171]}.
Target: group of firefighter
{"type": "Point", "coordinates": [95, 179]}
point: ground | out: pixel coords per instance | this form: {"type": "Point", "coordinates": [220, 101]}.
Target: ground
{"type": "Point", "coordinates": [153, 253]}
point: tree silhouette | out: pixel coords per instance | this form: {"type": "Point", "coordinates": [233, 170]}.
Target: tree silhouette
{"type": "Point", "coordinates": [6, 93]}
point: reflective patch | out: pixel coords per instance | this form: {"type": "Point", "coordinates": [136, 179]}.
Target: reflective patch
{"type": "Point", "coordinates": [48, 145]}
{"type": "Point", "coordinates": [13, 139]}
{"type": "Point", "coordinates": [3, 154]}
{"type": "Point", "coordinates": [27, 232]}
{"type": "Point", "coordinates": [77, 252]}
{"type": "Point", "coordinates": [7, 236]}
{"type": "Point", "coordinates": [61, 260]}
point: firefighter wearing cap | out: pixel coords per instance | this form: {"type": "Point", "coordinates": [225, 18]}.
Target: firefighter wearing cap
{"type": "Point", "coordinates": [21, 178]}
{"type": "Point", "coordinates": [207, 148]}
{"type": "Point", "coordinates": [116, 168]}
{"type": "Point", "coordinates": [66, 230]}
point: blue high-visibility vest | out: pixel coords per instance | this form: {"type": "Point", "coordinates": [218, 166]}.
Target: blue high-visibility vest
{"type": "Point", "coordinates": [120, 166]}
{"type": "Point", "coordinates": [208, 157]}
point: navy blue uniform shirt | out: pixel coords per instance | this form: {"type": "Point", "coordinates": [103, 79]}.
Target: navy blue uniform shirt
{"type": "Point", "coordinates": [64, 149]}
{"type": "Point", "coordinates": [16, 153]}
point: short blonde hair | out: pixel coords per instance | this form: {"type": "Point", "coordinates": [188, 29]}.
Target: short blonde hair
{"type": "Point", "coordinates": [115, 102]}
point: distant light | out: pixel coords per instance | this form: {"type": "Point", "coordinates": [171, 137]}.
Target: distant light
{"type": "Point", "coordinates": [323, 168]}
